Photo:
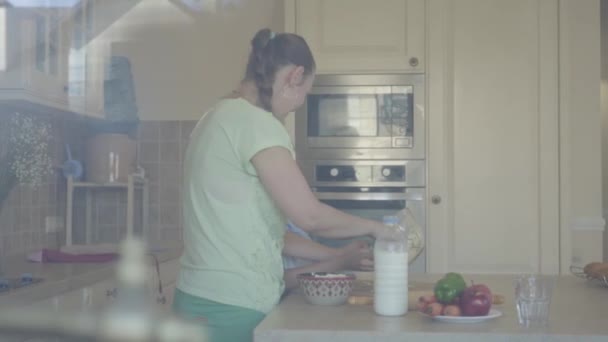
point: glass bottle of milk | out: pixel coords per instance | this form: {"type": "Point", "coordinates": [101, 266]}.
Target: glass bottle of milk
{"type": "Point", "coordinates": [391, 269]}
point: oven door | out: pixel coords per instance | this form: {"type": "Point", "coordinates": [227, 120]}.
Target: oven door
{"type": "Point", "coordinates": [374, 205]}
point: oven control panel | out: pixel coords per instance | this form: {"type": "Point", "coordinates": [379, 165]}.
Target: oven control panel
{"type": "Point", "coordinates": [360, 173]}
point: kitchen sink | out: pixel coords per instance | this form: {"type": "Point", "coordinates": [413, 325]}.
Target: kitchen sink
{"type": "Point", "coordinates": [10, 284]}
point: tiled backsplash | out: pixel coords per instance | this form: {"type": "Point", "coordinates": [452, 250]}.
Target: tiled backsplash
{"type": "Point", "coordinates": [23, 214]}
{"type": "Point", "coordinates": [161, 149]}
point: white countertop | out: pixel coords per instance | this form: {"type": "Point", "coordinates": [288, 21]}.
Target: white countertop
{"type": "Point", "coordinates": [62, 277]}
{"type": "Point", "coordinates": [578, 313]}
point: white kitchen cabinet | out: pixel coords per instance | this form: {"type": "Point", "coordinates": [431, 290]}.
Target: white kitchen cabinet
{"type": "Point", "coordinates": [33, 57]}
{"type": "Point", "coordinates": [50, 60]}
{"type": "Point", "coordinates": [494, 136]}
{"type": "Point", "coordinates": [361, 35]}
{"type": "Point", "coordinates": [86, 60]}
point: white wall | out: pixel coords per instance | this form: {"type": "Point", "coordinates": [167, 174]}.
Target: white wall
{"type": "Point", "coordinates": [604, 97]}
{"type": "Point", "coordinates": [181, 62]}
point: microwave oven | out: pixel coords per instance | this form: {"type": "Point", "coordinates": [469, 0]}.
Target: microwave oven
{"type": "Point", "coordinates": [365, 116]}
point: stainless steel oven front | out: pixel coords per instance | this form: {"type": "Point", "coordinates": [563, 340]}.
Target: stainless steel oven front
{"type": "Point", "coordinates": [362, 117]}
{"type": "Point", "coordinates": [371, 189]}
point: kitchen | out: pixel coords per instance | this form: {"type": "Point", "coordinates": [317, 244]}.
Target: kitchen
{"type": "Point", "coordinates": [491, 67]}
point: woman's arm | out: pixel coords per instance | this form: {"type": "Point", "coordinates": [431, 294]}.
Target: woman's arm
{"type": "Point", "coordinates": [285, 183]}
{"type": "Point", "coordinates": [301, 247]}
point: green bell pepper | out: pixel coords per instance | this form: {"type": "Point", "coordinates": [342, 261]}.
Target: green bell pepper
{"type": "Point", "coordinates": [448, 288]}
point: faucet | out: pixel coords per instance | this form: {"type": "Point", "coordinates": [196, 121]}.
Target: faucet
{"type": "Point", "coordinates": [160, 295]}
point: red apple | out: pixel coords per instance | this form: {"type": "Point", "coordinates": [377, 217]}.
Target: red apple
{"type": "Point", "coordinates": [475, 301]}
{"type": "Point", "coordinates": [482, 288]}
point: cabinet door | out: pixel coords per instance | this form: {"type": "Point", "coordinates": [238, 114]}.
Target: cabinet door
{"type": "Point", "coordinates": [96, 61]}
{"type": "Point", "coordinates": [493, 136]}
{"type": "Point", "coordinates": [86, 62]}
{"type": "Point", "coordinates": [44, 55]}
{"type": "Point", "coordinates": [361, 35]}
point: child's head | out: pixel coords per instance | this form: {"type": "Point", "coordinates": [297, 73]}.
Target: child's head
{"type": "Point", "coordinates": [282, 67]}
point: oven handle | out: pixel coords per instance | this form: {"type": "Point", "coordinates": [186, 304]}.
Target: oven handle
{"type": "Point", "coordinates": [368, 196]}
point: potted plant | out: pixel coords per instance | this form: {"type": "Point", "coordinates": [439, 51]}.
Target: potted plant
{"type": "Point", "coordinates": [27, 160]}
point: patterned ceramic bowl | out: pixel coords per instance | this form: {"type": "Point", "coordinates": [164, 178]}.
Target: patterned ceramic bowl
{"type": "Point", "coordinates": [322, 288]}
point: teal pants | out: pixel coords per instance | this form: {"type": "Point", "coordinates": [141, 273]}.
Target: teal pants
{"type": "Point", "coordinates": [222, 322]}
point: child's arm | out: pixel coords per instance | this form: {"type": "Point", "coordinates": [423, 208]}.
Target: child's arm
{"type": "Point", "coordinates": [351, 258]}
{"type": "Point", "coordinates": [331, 265]}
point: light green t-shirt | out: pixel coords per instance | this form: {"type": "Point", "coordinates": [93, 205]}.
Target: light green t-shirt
{"type": "Point", "coordinates": [233, 231]}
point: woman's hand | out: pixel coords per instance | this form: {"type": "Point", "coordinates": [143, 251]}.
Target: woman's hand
{"type": "Point", "coordinates": [382, 231]}
{"type": "Point", "coordinates": [389, 232]}
{"type": "Point", "coordinates": [354, 246]}
{"type": "Point", "coordinates": [357, 256]}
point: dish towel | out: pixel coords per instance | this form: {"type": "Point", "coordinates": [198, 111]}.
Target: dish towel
{"type": "Point", "coordinates": [49, 255]}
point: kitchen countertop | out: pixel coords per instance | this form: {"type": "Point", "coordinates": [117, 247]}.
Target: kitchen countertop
{"type": "Point", "coordinates": [59, 278]}
{"type": "Point", "coordinates": [578, 313]}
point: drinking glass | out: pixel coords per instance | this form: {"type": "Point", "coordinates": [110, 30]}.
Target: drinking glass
{"type": "Point", "coordinates": [533, 299]}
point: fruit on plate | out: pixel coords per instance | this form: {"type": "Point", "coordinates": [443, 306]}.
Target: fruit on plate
{"type": "Point", "coordinates": [448, 288]}
{"type": "Point", "coordinates": [452, 297]}
{"type": "Point", "coordinates": [424, 302]}
{"type": "Point", "coordinates": [476, 300]}
{"type": "Point", "coordinates": [452, 310]}
{"type": "Point", "coordinates": [482, 288]}
{"type": "Point", "coordinates": [434, 309]}
{"type": "Point", "coordinates": [596, 269]}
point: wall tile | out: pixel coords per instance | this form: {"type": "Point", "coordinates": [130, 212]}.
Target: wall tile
{"type": "Point", "coordinates": [170, 131]}
{"type": "Point", "coordinates": [153, 194]}
{"type": "Point", "coordinates": [107, 214]}
{"type": "Point", "coordinates": [169, 215]}
{"type": "Point", "coordinates": [170, 193]}
{"type": "Point", "coordinates": [149, 152]}
{"type": "Point", "coordinates": [152, 172]}
{"type": "Point", "coordinates": [170, 173]}
{"type": "Point", "coordinates": [161, 149]}
{"type": "Point", "coordinates": [170, 152]}
{"type": "Point", "coordinates": [149, 131]}
{"type": "Point", "coordinates": [186, 129]}
{"type": "Point", "coordinates": [25, 210]}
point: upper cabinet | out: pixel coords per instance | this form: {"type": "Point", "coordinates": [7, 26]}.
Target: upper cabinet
{"type": "Point", "coordinates": [49, 60]}
{"type": "Point", "coordinates": [33, 57]}
{"type": "Point", "coordinates": [360, 35]}
{"type": "Point", "coordinates": [86, 60]}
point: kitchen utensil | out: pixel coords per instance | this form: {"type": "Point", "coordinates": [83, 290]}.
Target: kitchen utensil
{"type": "Point", "coordinates": [71, 167]}
{"type": "Point", "coordinates": [533, 299]}
{"type": "Point", "coordinates": [323, 288]}
{"type": "Point", "coordinates": [591, 276]}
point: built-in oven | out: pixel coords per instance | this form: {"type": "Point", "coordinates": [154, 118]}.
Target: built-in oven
{"type": "Point", "coordinates": [362, 117]}
{"type": "Point", "coordinates": [372, 189]}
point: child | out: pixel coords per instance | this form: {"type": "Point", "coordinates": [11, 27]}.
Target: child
{"type": "Point", "coordinates": [316, 257]}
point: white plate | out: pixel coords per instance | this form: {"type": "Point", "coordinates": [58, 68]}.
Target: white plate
{"type": "Point", "coordinates": [468, 319]}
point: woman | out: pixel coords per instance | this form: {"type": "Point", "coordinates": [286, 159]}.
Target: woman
{"type": "Point", "coordinates": [241, 185]}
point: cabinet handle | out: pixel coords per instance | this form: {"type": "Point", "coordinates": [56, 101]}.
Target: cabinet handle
{"type": "Point", "coordinates": [414, 61]}
{"type": "Point", "coordinates": [436, 199]}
